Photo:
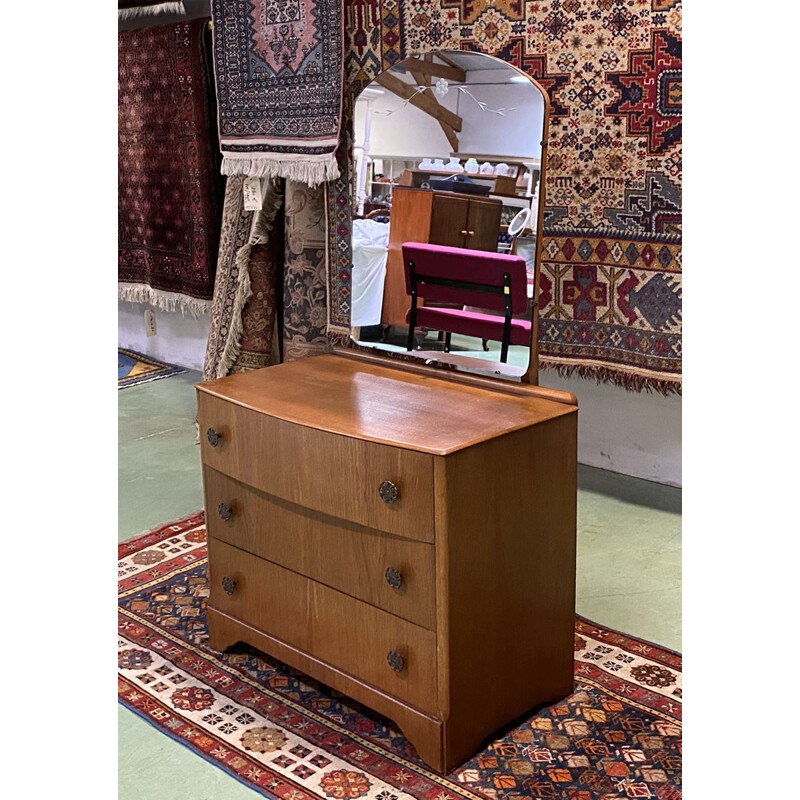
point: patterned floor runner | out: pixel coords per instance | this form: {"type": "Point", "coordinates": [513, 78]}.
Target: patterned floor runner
{"type": "Point", "coordinates": [617, 736]}
{"type": "Point", "coordinates": [133, 368]}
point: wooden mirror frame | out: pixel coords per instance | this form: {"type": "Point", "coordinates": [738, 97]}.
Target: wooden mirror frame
{"type": "Point", "coordinates": [531, 375]}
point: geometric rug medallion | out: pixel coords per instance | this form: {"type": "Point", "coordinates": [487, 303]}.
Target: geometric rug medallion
{"type": "Point", "coordinates": [618, 735]}
{"type": "Point", "coordinates": [133, 368]}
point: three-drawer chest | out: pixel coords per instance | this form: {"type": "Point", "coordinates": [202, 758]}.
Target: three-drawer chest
{"type": "Point", "coordinates": [404, 537]}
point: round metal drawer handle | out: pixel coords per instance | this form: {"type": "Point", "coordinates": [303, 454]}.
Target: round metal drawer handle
{"type": "Point", "coordinates": [228, 585]}
{"type": "Point", "coordinates": [388, 492]}
{"type": "Point", "coordinates": [225, 512]}
{"type": "Point", "coordinates": [393, 577]}
{"type": "Point", "coordinates": [214, 437]}
{"type": "Point", "coordinates": [396, 661]}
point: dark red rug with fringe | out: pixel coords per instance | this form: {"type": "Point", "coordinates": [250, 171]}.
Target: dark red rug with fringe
{"type": "Point", "coordinates": [170, 188]}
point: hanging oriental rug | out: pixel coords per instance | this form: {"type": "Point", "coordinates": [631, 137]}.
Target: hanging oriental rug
{"type": "Point", "coordinates": [618, 735]}
{"type": "Point", "coordinates": [279, 87]}
{"type": "Point", "coordinates": [170, 190]}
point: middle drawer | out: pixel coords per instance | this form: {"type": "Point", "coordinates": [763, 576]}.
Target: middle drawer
{"type": "Point", "coordinates": [386, 571]}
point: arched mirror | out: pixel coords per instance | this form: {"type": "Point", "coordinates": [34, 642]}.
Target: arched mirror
{"type": "Point", "coordinates": [447, 207]}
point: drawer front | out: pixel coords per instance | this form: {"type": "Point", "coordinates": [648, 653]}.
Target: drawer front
{"type": "Point", "coordinates": [394, 574]}
{"type": "Point", "coordinates": [383, 650]}
{"type": "Point", "coordinates": [326, 472]}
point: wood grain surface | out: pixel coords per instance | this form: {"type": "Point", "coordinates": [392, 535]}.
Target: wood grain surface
{"type": "Point", "coordinates": [424, 730]}
{"type": "Point", "coordinates": [326, 624]}
{"type": "Point", "coordinates": [337, 475]}
{"type": "Point", "coordinates": [340, 554]}
{"type": "Point", "coordinates": [505, 563]}
{"type": "Point", "coordinates": [377, 403]}
{"type": "Point", "coordinates": [410, 221]}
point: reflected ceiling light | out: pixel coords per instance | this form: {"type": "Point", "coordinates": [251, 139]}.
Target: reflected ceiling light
{"type": "Point", "coordinates": [519, 79]}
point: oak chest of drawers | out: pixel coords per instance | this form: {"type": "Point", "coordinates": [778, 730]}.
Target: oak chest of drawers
{"type": "Point", "coordinates": [406, 539]}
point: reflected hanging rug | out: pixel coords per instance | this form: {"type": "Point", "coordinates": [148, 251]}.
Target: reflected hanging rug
{"type": "Point", "coordinates": [288, 737]}
{"type": "Point", "coordinates": [279, 87]}
{"type": "Point", "coordinates": [170, 189]}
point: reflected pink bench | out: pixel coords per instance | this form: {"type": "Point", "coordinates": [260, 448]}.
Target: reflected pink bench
{"type": "Point", "coordinates": [495, 282]}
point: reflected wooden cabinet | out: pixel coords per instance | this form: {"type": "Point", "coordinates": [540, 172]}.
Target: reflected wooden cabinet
{"type": "Point", "coordinates": [431, 217]}
{"type": "Point", "coordinates": [405, 538]}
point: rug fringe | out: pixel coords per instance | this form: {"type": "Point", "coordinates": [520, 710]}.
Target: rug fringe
{"type": "Point", "coordinates": [176, 7]}
{"type": "Point", "coordinates": [263, 222]}
{"type": "Point", "coordinates": [310, 170]}
{"type": "Point", "coordinates": [166, 301]}
{"type": "Point", "coordinates": [625, 380]}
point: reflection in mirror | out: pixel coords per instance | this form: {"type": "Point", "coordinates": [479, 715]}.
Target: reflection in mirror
{"type": "Point", "coordinates": [448, 156]}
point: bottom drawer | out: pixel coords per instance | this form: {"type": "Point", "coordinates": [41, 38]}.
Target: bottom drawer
{"type": "Point", "coordinates": [393, 655]}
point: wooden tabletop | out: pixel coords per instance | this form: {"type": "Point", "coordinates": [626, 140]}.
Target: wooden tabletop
{"type": "Point", "coordinates": [383, 404]}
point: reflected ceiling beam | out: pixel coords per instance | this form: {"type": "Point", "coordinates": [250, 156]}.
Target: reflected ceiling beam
{"type": "Point", "coordinates": [425, 80]}
{"type": "Point", "coordinates": [433, 70]}
{"type": "Point", "coordinates": [423, 101]}
{"type": "Point", "coordinates": [444, 58]}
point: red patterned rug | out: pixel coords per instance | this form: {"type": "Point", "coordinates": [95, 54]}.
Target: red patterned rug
{"type": "Point", "coordinates": [170, 189]}
{"type": "Point", "coordinates": [286, 736]}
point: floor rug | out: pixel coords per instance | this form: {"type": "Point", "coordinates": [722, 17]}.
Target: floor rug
{"type": "Point", "coordinates": [133, 368]}
{"type": "Point", "coordinates": [286, 736]}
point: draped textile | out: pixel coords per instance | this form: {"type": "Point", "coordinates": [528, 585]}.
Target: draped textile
{"type": "Point", "coordinates": [249, 272]}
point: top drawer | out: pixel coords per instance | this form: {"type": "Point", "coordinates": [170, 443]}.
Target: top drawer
{"type": "Point", "coordinates": [383, 487]}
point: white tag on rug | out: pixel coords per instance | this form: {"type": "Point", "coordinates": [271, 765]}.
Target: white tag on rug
{"type": "Point", "coordinates": [251, 189]}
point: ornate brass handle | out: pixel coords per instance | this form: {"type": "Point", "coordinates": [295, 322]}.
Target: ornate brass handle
{"type": "Point", "coordinates": [225, 512]}
{"type": "Point", "coordinates": [388, 492]}
{"type": "Point", "coordinates": [393, 577]}
{"type": "Point", "coordinates": [214, 437]}
{"type": "Point", "coordinates": [396, 661]}
{"type": "Point", "coordinates": [228, 585]}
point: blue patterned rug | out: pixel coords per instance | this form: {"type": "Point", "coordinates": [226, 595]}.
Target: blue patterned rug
{"type": "Point", "coordinates": [133, 368]}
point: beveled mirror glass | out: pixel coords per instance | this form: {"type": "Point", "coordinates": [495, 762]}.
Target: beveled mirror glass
{"type": "Point", "coordinates": [448, 153]}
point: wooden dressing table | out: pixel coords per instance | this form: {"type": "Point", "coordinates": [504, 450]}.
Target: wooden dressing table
{"type": "Point", "coordinates": [404, 536]}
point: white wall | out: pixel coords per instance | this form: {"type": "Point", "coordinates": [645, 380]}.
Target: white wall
{"type": "Point", "coordinates": [407, 131]}
{"type": "Point", "coordinates": [517, 132]}
{"type": "Point", "coordinates": [180, 339]}
{"type": "Point", "coordinates": [632, 433]}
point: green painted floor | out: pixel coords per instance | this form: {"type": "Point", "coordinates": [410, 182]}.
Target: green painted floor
{"type": "Point", "coordinates": [629, 564]}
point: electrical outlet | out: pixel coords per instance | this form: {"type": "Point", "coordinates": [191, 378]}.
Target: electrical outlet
{"type": "Point", "coordinates": [150, 322]}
